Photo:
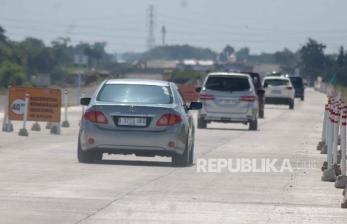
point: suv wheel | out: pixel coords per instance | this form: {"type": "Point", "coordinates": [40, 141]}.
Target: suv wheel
{"type": "Point", "coordinates": [253, 125]}
{"type": "Point", "coordinates": [202, 123]}
{"type": "Point", "coordinates": [291, 105]}
{"type": "Point", "coordinates": [261, 114]}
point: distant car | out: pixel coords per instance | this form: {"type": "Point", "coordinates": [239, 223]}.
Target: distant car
{"type": "Point", "coordinates": [228, 98]}
{"type": "Point", "coordinates": [279, 90]}
{"type": "Point", "coordinates": [260, 91]}
{"type": "Point", "coordinates": [141, 117]}
{"type": "Point", "coordinates": [299, 86]}
{"type": "Point", "coordinates": [276, 74]}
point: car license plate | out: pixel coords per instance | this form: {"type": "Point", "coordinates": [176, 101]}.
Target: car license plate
{"type": "Point", "coordinates": [132, 121]}
{"type": "Point", "coordinates": [227, 101]}
{"type": "Point", "coordinates": [276, 91]}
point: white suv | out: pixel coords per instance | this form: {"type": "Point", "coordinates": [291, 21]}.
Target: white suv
{"type": "Point", "coordinates": [228, 98]}
{"type": "Point", "coordinates": [279, 90]}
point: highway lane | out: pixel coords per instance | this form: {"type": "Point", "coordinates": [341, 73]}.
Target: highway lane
{"type": "Point", "coordinates": [41, 181]}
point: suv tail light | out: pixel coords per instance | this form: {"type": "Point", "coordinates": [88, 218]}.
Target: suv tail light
{"type": "Point", "coordinates": [95, 117]}
{"type": "Point", "coordinates": [247, 98]}
{"type": "Point", "coordinates": [169, 119]}
{"type": "Point", "coordinates": [204, 96]}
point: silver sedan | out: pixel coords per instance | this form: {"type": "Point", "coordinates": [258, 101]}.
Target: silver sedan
{"type": "Point", "coordinates": [141, 117]}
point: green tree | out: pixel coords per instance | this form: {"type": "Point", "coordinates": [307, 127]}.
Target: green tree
{"type": "Point", "coordinates": [287, 59]}
{"type": "Point", "coordinates": [243, 54]}
{"type": "Point", "coordinates": [341, 58]}
{"type": "Point", "coordinates": [313, 60]}
{"type": "Point", "coordinates": [11, 74]}
{"type": "Point", "coordinates": [225, 54]}
{"type": "Point", "coordinates": [38, 57]}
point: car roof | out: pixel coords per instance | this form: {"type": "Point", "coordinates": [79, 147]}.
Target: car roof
{"type": "Point", "coordinates": [276, 77]}
{"type": "Point", "coordinates": [233, 74]}
{"type": "Point", "coordinates": [138, 82]}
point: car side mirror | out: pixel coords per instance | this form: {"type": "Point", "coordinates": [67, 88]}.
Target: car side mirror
{"type": "Point", "coordinates": [85, 101]}
{"type": "Point", "coordinates": [198, 89]}
{"type": "Point", "coordinates": [260, 92]}
{"type": "Point", "coordinates": [195, 106]}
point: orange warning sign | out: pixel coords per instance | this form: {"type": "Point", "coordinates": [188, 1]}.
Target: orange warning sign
{"type": "Point", "coordinates": [188, 92]}
{"type": "Point", "coordinates": [44, 104]}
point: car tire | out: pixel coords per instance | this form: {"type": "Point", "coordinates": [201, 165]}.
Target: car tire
{"type": "Point", "coordinates": [191, 153]}
{"type": "Point", "coordinates": [87, 157]}
{"type": "Point", "coordinates": [202, 123]}
{"type": "Point", "coordinates": [261, 114]}
{"type": "Point", "coordinates": [302, 98]}
{"type": "Point", "coordinates": [181, 160]}
{"type": "Point", "coordinates": [291, 105]}
{"type": "Point", "coordinates": [253, 125]}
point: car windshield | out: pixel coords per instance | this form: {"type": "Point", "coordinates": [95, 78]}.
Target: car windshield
{"type": "Point", "coordinates": [296, 81]}
{"type": "Point", "coordinates": [223, 83]}
{"type": "Point", "coordinates": [135, 94]}
{"type": "Point", "coordinates": [276, 82]}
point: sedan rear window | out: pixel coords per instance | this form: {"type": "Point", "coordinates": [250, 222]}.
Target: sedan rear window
{"type": "Point", "coordinates": [276, 82]}
{"type": "Point", "coordinates": [138, 94]}
{"type": "Point", "coordinates": [223, 83]}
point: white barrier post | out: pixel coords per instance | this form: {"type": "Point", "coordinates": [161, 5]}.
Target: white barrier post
{"type": "Point", "coordinates": [65, 123]}
{"type": "Point", "coordinates": [341, 181]}
{"type": "Point", "coordinates": [329, 173]}
{"type": "Point", "coordinates": [23, 131]}
{"type": "Point", "coordinates": [7, 125]}
{"type": "Point", "coordinates": [336, 123]}
{"type": "Point", "coordinates": [322, 145]}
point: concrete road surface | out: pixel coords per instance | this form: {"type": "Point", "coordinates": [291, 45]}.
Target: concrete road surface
{"type": "Point", "coordinates": [41, 181]}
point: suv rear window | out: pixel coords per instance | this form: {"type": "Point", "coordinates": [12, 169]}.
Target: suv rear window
{"type": "Point", "coordinates": [276, 82]}
{"type": "Point", "coordinates": [131, 93]}
{"type": "Point", "coordinates": [223, 83]}
{"type": "Point", "coordinates": [297, 81]}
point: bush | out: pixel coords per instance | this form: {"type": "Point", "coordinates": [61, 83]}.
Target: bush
{"type": "Point", "coordinates": [11, 74]}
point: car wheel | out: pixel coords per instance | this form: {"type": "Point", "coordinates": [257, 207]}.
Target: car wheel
{"type": "Point", "coordinates": [191, 154]}
{"type": "Point", "coordinates": [202, 123]}
{"type": "Point", "coordinates": [87, 157]}
{"type": "Point", "coordinates": [181, 160]}
{"type": "Point", "coordinates": [302, 98]}
{"type": "Point", "coordinates": [261, 114]}
{"type": "Point", "coordinates": [253, 125]}
{"type": "Point", "coordinates": [291, 105]}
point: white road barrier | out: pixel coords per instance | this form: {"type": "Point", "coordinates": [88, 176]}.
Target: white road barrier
{"type": "Point", "coordinates": [329, 173]}
{"type": "Point", "coordinates": [334, 134]}
{"type": "Point", "coordinates": [23, 131]}
{"type": "Point", "coordinates": [7, 125]}
{"type": "Point", "coordinates": [65, 123]}
{"type": "Point", "coordinates": [322, 144]}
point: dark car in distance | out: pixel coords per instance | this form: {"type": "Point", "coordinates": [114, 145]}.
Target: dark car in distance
{"type": "Point", "coordinates": [299, 86]}
{"type": "Point", "coordinates": [260, 91]}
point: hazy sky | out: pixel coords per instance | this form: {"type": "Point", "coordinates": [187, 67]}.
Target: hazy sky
{"type": "Point", "coordinates": [263, 25]}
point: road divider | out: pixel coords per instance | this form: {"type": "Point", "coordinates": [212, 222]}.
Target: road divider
{"type": "Point", "coordinates": [334, 134]}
